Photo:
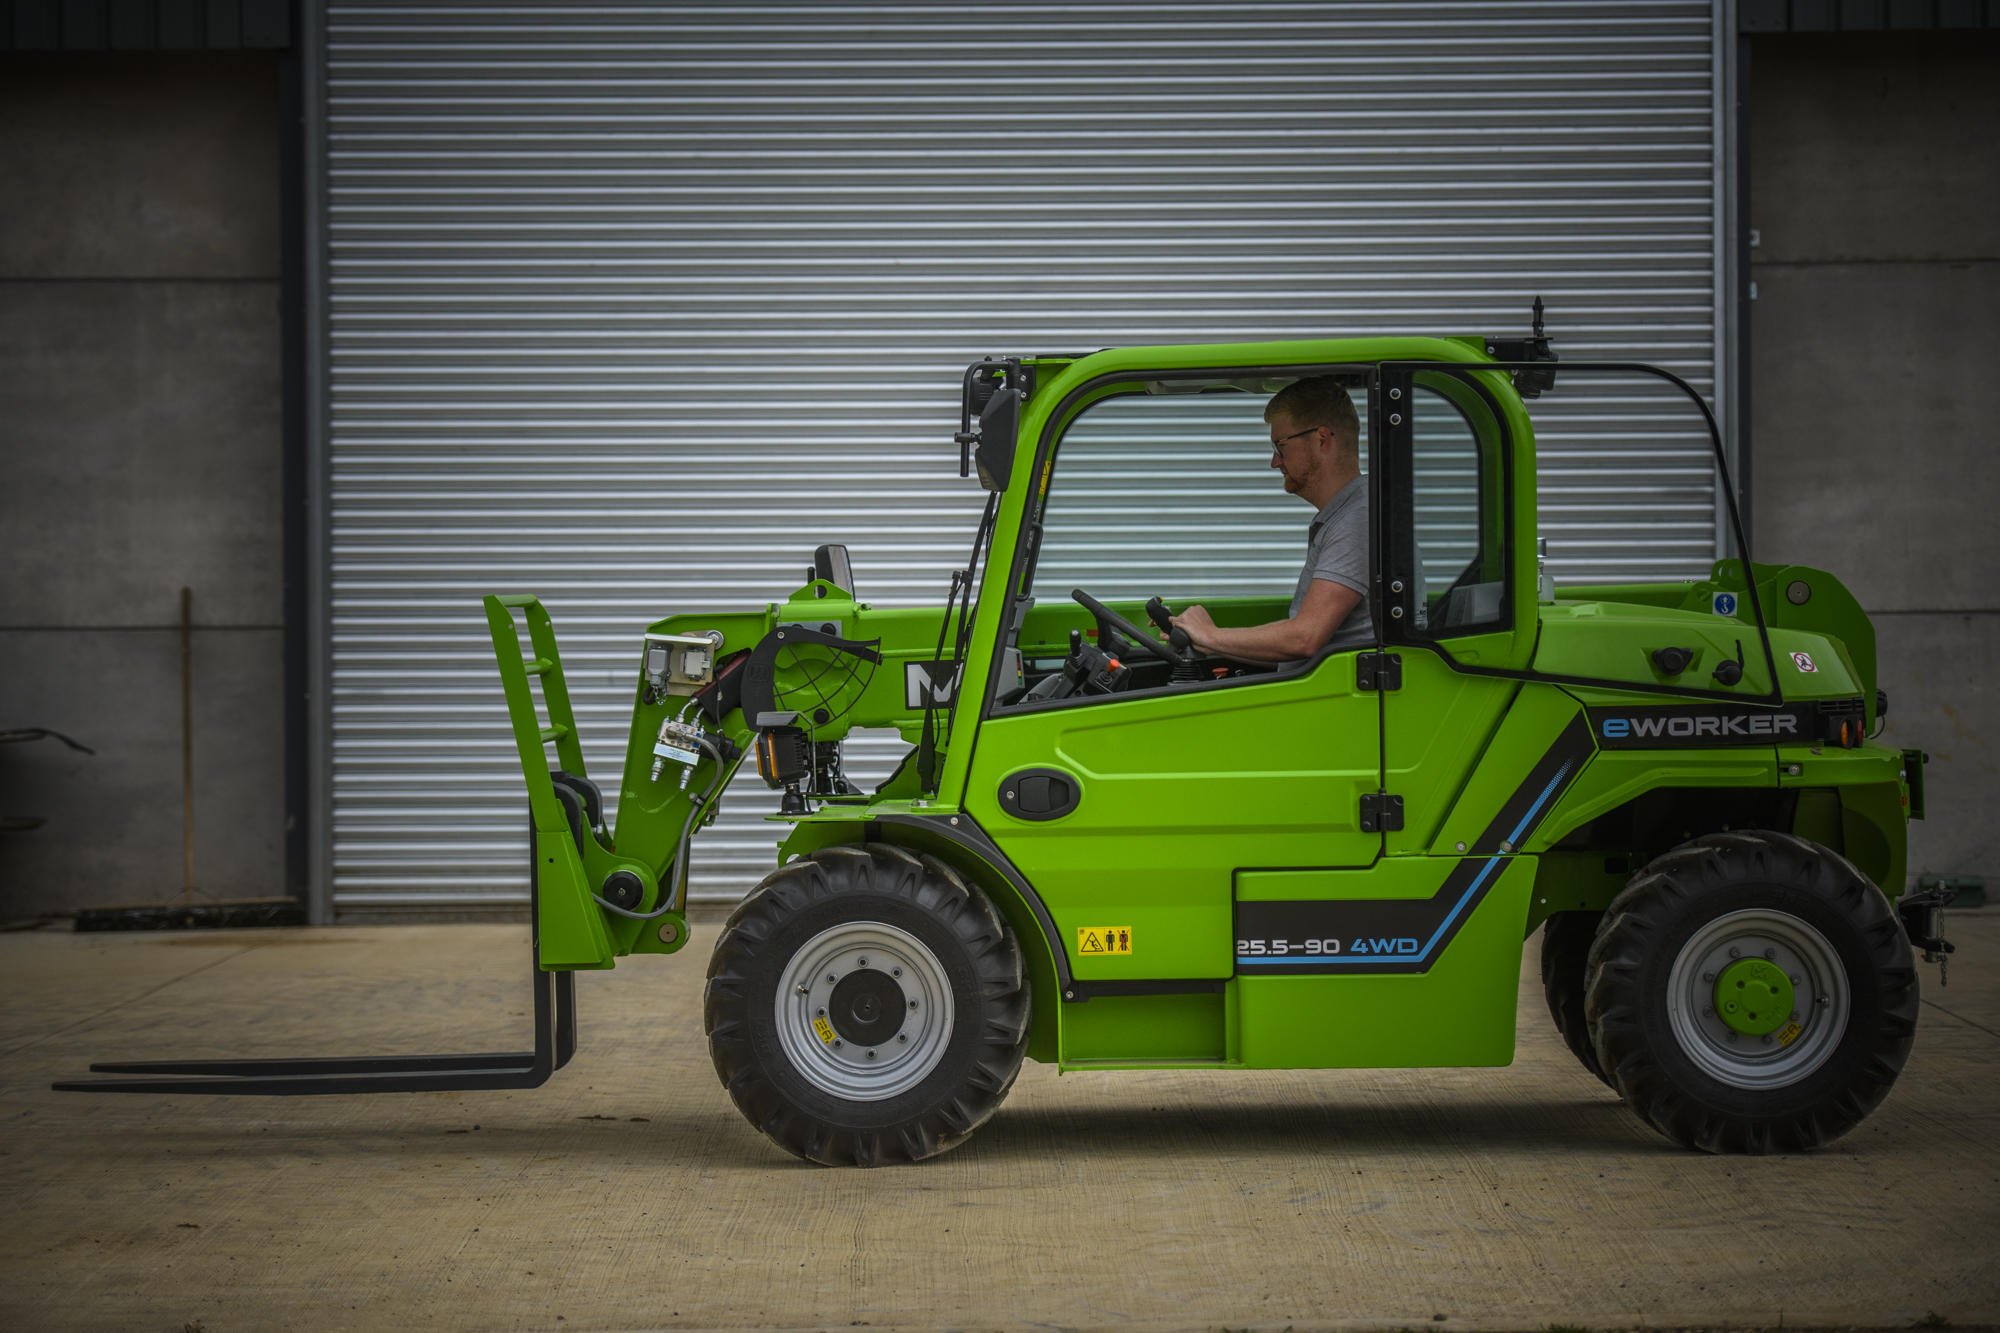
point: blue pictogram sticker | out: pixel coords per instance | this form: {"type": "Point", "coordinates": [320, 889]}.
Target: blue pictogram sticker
{"type": "Point", "coordinates": [1725, 604]}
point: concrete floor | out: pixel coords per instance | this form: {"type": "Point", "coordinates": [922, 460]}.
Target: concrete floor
{"type": "Point", "coordinates": [628, 1193]}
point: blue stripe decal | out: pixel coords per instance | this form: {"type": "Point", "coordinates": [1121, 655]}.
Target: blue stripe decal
{"type": "Point", "coordinates": [1514, 839]}
{"type": "Point", "coordinates": [1264, 961]}
{"type": "Point", "coordinates": [1417, 957]}
{"type": "Point", "coordinates": [1458, 907]}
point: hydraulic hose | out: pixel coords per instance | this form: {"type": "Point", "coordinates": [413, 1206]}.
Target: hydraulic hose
{"type": "Point", "coordinates": [675, 876]}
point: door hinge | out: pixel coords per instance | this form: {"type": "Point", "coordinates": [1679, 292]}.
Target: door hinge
{"type": "Point", "coordinates": [1378, 671]}
{"type": "Point", "coordinates": [1381, 813]}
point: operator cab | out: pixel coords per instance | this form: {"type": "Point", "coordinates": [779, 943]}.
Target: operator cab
{"type": "Point", "coordinates": [1158, 494]}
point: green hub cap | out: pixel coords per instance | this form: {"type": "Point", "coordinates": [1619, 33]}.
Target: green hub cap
{"type": "Point", "coordinates": [1754, 997]}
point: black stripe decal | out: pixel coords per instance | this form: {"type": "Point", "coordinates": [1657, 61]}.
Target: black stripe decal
{"type": "Point", "coordinates": [1538, 793]}
{"type": "Point", "coordinates": [1378, 936]}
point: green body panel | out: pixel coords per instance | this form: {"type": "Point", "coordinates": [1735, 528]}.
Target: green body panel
{"type": "Point", "coordinates": [1172, 803]}
{"type": "Point", "coordinates": [1395, 877]}
{"type": "Point", "coordinates": [1458, 1013]}
{"type": "Point", "coordinates": [1816, 814]}
{"type": "Point", "coordinates": [1196, 801]}
{"type": "Point", "coordinates": [1829, 611]}
{"type": "Point", "coordinates": [1615, 641]}
{"type": "Point", "coordinates": [1146, 1032]}
{"type": "Point", "coordinates": [1045, 629]}
{"type": "Point", "coordinates": [1617, 776]}
{"type": "Point", "coordinates": [1533, 721]}
{"type": "Point", "coordinates": [1461, 1012]}
{"type": "Point", "coordinates": [1587, 881]}
{"type": "Point", "coordinates": [1856, 802]}
{"type": "Point", "coordinates": [1874, 834]}
{"type": "Point", "coordinates": [1435, 731]}
{"type": "Point", "coordinates": [1575, 882]}
{"type": "Point", "coordinates": [570, 928]}
{"type": "Point", "coordinates": [650, 814]}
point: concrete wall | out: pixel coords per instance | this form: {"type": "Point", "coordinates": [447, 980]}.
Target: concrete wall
{"type": "Point", "coordinates": [1875, 188]}
{"type": "Point", "coordinates": [140, 437]}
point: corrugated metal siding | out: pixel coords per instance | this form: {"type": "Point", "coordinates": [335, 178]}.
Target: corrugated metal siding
{"type": "Point", "coordinates": [632, 305]}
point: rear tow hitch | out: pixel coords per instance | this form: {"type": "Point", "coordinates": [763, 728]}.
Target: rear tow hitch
{"type": "Point", "coordinates": [1923, 922]}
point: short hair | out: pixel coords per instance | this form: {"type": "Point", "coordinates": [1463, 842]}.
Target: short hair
{"type": "Point", "coordinates": [1320, 400]}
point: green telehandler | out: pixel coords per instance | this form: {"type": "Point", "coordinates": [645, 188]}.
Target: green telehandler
{"type": "Point", "coordinates": [1105, 849]}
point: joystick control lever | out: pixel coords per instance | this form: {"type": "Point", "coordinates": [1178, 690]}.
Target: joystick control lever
{"type": "Point", "coordinates": [1177, 639]}
{"type": "Point", "coordinates": [1090, 669]}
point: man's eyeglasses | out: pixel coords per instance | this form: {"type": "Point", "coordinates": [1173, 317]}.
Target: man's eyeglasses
{"type": "Point", "coordinates": [1278, 445]}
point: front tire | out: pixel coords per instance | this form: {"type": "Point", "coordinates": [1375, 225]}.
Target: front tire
{"type": "Point", "coordinates": [866, 1005]}
{"type": "Point", "coordinates": [1751, 993]}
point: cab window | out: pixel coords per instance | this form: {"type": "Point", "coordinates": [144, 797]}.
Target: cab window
{"type": "Point", "coordinates": [1166, 490]}
{"type": "Point", "coordinates": [1454, 511]}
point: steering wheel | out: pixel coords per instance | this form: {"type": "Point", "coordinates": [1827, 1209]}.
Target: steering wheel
{"type": "Point", "coordinates": [1109, 622]}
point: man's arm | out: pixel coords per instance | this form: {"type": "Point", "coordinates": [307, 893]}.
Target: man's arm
{"type": "Point", "coordinates": [1325, 607]}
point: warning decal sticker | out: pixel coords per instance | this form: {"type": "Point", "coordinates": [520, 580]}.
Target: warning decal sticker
{"type": "Point", "coordinates": [1803, 661]}
{"type": "Point", "coordinates": [1789, 1034]}
{"type": "Point", "coordinates": [824, 1029]}
{"type": "Point", "coordinates": [1103, 940]}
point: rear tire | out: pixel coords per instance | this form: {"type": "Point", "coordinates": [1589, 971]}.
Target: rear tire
{"type": "Point", "coordinates": [1697, 1055]}
{"type": "Point", "coordinates": [1566, 941]}
{"type": "Point", "coordinates": [866, 1005]}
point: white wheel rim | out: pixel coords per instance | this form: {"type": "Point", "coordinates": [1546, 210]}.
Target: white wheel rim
{"type": "Point", "coordinates": [889, 1060]}
{"type": "Point", "coordinates": [1820, 1011]}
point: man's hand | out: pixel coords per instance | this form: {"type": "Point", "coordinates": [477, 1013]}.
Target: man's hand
{"type": "Point", "coordinates": [1326, 605]}
{"type": "Point", "coordinates": [1199, 625]}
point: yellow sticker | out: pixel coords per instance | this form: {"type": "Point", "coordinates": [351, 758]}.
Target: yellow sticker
{"type": "Point", "coordinates": [825, 1030]}
{"type": "Point", "coordinates": [1789, 1033]}
{"type": "Point", "coordinates": [1104, 940]}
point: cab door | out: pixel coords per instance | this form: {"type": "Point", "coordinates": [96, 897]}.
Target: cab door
{"type": "Point", "coordinates": [1148, 803]}
{"type": "Point", "coordinates": [1450, 579]}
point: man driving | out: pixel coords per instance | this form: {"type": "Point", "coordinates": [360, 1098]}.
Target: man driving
{"type": "Point", "coordinates": [1316, 445]}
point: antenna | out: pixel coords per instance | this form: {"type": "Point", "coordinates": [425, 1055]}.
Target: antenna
{"type": "Point", "coordinates": [1538, 316]}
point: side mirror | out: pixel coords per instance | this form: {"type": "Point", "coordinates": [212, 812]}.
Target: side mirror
{"type": "Point", "coordinates": [830, 563]}
{"type": "Point", "coordinates": [999, 422]}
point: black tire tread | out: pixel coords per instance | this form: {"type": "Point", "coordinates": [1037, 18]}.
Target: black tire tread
{"type": "Point", "coordinates": [1566, 941]}
{"type": "Point", "coordinates": [859, 873]}
{"type": "Point", "coordinates": [1640, 926]}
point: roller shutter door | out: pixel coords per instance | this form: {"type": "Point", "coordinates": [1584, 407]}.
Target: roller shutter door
{"type": "Point", "coordinates": [631, 305]}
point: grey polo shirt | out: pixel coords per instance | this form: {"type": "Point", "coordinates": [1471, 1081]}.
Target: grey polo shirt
{"type": "Point", "coordinates": [1337, 550]}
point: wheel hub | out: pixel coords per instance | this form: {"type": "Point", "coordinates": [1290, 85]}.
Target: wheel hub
{"type": "Point", "coordinates": [867, 1006]}
{"type": "Point", "coordinates": [1753, 996]}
